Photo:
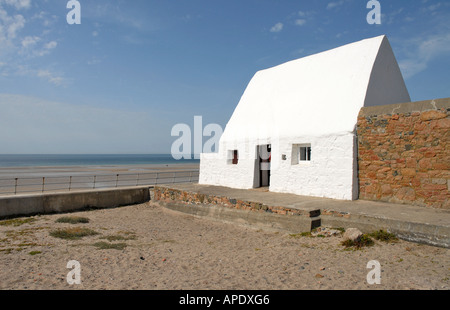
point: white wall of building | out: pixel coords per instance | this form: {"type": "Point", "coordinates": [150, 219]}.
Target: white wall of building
{"type": "Point", "coordinates": [330, 172]}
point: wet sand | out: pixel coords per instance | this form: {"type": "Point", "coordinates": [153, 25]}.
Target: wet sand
{"type": "Point", "coordinates": [30, 179]}
{"type": "Point", "coordinates": [12, 172]}
{"type": "Point", "coordinates": [153, 248]}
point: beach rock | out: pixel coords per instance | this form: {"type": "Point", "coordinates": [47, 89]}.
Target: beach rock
{"type": "Point", "coordinates": [353, 234]}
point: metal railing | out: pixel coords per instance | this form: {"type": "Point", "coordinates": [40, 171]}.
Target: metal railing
{"type": "Point", "coordinates": [83, 182]}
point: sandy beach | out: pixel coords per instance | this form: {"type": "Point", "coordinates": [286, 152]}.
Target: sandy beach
{"type": "Point", "coordinates": [8, 172]}
{"type": "Point", "coordinates": [65, 178]}
{"type": "Point", "coordinates": [149, 247]}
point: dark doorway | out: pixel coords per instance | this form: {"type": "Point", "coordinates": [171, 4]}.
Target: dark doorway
{"type": "Point", "coordinates": [264, 157]}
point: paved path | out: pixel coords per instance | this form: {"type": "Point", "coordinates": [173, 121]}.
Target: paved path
{"type": "Point", "coordinates": [413, 223]}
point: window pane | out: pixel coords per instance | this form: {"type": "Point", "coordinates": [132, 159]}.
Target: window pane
{"type": "Point", "coordinates": [302, 153]}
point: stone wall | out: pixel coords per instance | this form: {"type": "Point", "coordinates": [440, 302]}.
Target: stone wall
{"type": "Point", "coordinates": [168, 195]}
{"type": "Point", "coordinates": [404, 153]}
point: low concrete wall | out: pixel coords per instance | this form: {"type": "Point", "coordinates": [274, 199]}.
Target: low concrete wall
{"type": "Point", "coordinates": [436, 235]}
{"type": "Point", "coordinates": [259, 219]}
{"type": "Point", "coordinates": [72, 201]}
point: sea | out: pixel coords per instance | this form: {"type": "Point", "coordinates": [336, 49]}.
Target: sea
{"type": "Point", "coordinates": [54, 160]}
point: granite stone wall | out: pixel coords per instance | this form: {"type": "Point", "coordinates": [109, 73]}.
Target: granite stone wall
{"type": "Point", "coordinates": [170, 195]}
{"type": "Point", "coordinates": [404, 153]}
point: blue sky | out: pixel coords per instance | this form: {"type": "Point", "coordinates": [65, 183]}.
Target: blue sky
{"type": "Point", "coordinates": [119, 81]}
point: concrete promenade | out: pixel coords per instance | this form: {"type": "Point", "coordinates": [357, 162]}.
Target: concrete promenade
{"type": "Point", "coordinates": [301, 213]}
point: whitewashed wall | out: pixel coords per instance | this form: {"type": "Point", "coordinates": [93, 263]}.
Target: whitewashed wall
{"type": "Point", "coordinates": [331, 172]}
{"type": "Point", "coordinates": [216, 169]}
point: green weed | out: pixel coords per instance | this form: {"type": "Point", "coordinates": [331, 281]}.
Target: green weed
{"type": "Point", "coordinates": [383, 236]}
{"type": "Point", "coordinates": [17, 221]}
{"type": "Point", "coordinates": [72, 220]}
{"type": "Point", "coordinates": [72, 233]}
{"type": "Point", "coordinates": [105, 245]}
{"type": "Point", "coordinates": [364, 241]}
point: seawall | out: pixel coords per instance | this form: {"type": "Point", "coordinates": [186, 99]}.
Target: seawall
{"type": "Point", "coordinates": [72, 201]}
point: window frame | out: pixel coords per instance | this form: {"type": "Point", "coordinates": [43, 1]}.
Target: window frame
{"type": "Point", "coordinates": [301, 153]}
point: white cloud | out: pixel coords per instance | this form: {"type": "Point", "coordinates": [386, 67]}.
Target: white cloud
{"type": "Point", "coordinates": [391, 17]}
{"type": "Point", "coordinates": [11, 25]}
{"type": "Point", "coordinates": [94, 61]}
{"type": "Point", "coordinates": [112, 13]}
{"type": "Point", "coordinates": [44, 74]}
{"type": "Point", "coordinates": [421, 51]}
{"type": "Point", "coordinates": [14, 43]}
{"type": "Point", "coordinates": [332, 5]}
{"type": "Point", "coordinates": [434, 6]}
{"type": "Point", "coordinates": [277, 27]}
{"type": "Point", "coordinates": [299, 52]}
{"type": "Point", "coordinates": [46, 19]}
{"type": "Point", "coordinates": [30, 48]}
{"type": "Point", "coordinates": [29, 41]}
{"type": "Point", "coordinates": [50, 76]}
{"type": "Point", "coordinates": [300, 22]}
{"type": "Point", "coordinates": [340, 34]}
{"type": "Point", "coordinates": [18, 4]}
{"type": "Point", "coordinates": [50, 45]}
{"type": "Point", "coordinates": [410, 67]}
{"type": "Point", "coordinates": [302, 17]}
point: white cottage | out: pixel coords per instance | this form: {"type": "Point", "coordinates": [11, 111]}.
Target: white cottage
{"type": "Point", "coordinates": [294, 127]}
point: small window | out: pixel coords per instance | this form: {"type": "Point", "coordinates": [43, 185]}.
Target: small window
{"type": "Point", "coordinates": [233, 157]}
{"type": "Point", "coordinates": [301, 153]}
{"type": "Point", "coordinates": [305, 153]}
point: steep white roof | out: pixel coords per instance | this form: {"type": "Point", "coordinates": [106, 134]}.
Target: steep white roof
{"type": "Point", "coordinates": [318, 94]}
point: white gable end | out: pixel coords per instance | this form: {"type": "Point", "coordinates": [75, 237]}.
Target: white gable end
{"type": "Point", "coordinates": [291, 98]}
